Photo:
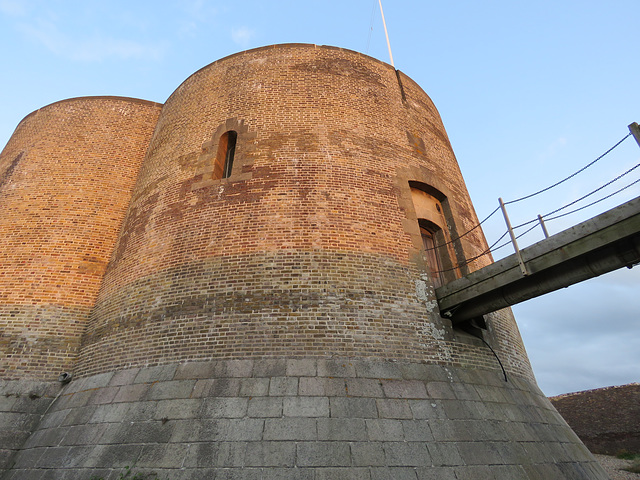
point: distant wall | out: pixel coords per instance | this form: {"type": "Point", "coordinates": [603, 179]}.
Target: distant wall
{"type": "Point", "coordinates": [607, 420]}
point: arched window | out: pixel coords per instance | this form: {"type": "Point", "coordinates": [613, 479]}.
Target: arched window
{"type": "Point", "coordinates": [438, 250]}
{"type": "Point", "coordinates": [226, 152]}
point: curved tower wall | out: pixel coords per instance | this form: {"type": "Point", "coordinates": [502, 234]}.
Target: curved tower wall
{"type": "Point", "coordinates": [281, 322]}
{"type": "Point", "coordinates": [65, 182]}
{"type": "Point", "coordinates": [311, 248]}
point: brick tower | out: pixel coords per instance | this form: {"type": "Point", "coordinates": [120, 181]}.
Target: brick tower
{"type": "Point", "coordinates": [268, 308]}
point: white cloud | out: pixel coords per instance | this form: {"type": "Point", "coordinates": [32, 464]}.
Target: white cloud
{"type": "Point", "coordinates": [14, 8]}
{"type": "Point", "coordinates": [87, 49]}
{"type": "Point", "coordinates": [242, 36]}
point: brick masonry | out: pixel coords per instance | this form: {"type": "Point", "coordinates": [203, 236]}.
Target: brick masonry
{"type": "Point", "coordinates": [66, 177]}
{"type": "Point", "coordinates": [278, 323]}
{"type": "Point", "coordinates": [607, 420]}
{"type": "Point", "coordinates": [309, 247]}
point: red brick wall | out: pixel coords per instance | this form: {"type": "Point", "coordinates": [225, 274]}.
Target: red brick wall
{"type": "Point", "coordinates": [607, 420]}
{"type": "Point", "coordinates": [309, 248]}
{"type": "Point", "coordinates": [65, 182]}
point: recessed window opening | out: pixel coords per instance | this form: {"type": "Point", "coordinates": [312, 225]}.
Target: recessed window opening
{"type": "Point", "coordinates": [439, 253]}
{"type": "Point", "coordinates": [428, 231]}
{"type": "Point", "coordinates": [226, 153]}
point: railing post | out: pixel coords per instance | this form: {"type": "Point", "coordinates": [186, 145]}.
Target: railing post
{"type": "Point", "coordinates": [523, 267]}
{"type": "Point", "coordinates": [544, 227]}
{"type": "Point", "coordinates": [635, 131]}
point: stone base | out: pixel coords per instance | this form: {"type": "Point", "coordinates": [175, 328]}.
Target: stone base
{"type": "Point", "coordinates": [303, 419]}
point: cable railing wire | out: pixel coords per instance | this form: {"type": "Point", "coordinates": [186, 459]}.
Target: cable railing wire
{"type": "Point", "coordinates": [592, 192]}
{"type": "Point", "coordinates": [453, 240]}
{"type": "Point", "coordinates": [547, 216]}
{"type": "Point", "coordinates": [570, 176]}
{"type": "Point", "coordinates": [593, 203]}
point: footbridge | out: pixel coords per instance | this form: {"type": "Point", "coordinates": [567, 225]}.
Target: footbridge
{"type": "Point", "coordinates": [602, 244]}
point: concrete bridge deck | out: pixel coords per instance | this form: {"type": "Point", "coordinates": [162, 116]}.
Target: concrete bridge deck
{"type": "Point", "coordinates": [599, 245]}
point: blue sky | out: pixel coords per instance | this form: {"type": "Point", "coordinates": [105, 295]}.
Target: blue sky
{"type": "Point", "coordinates": [529, 93]}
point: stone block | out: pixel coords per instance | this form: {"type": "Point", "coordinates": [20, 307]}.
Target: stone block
{"type": "Point", "coordinates": [393, 408]}
{"type": "Point", "coordinates": [225, 407]}
{"type": "Point", "coordinates": [234, 368]}
{"type": "Point", "coordinates": [124, 377]}
{"type": "Point", "coordinates": [337, 473]}
{"type": "Point", "coordinates": [462, 391]}
{"type": "Point", "coordinates": [162, 373]}
{"type": "Point", "coordinates": [171, 390]}
{"type": "Point", "coordinates": [28, 458]}
{"type": "Point", "coordinates": [423, 409]}
{"type": "Point", "coordinates": [270, 454]}
{"type": "Point", "coordinates": [364, 387]}
{"type": "Point", "coordinates": [53, 457]}
{"type": "Point", "coordinates": [283, 386]}
{"type": "Point", "coordinates": [459, 410]}
{"type": "Point", "coordinates": [425, 373]}
{"type": "Point", "coordinates": [384, 430]}
{"type": "Point", "coordinates": [178, 409]}
{"type": "Point", "coordinates": [185, 431]}
{"type": "Point", "coordinates": [341, 429]}
{"type": "Point", "coordinates": [83, 434]}
{"type": "Point", "coordinates": [212, 430]}
{"type": "Point", "coordinates": [322, 386]}
{"type": "Point", "coordinates": [417, 431]}
{"type": "Point", "coordinates": [436, 473]}
{"type": "Point", "coordinates": [479, 453]}
{"type": "Point", "coordinates": [406, 454]}
{"type": "Point", "coordinates": [377, 370]}
{"type": "Point", "coordinates": [270, 367]}
{"type": "Point", "coordinates": [440, 390]}
{"type": "Point", "coordinates": [113, 413]}
{"type": "Point", "coordinates": [369, 454]}
{"type": "Point", "coordinates": [304, 367]}
{"type": "Point", "coordinates": [395, 473]}
{"type": "Point", "coordinates": [306, 407]}
{"type": "Point", "coordinates": [224, 387]}
{"type": "Point", "coordinates": [141, 411]}
{"type": "Point", "coordinates": [405, 389]}
{"type": "Point", "coordinates": [348, 407]}
{"type": "Point", "coordinates": [132, 393]}
{"type": "Point", "coordinates": [161, 456]}
{"type": "Point", "coordinates": [244, 429]}
{"type": "Point", "coordinates": [444, 454]}
{"type": "Point", "coordinates": [195, 370]}
{"type": "Point", "coordinates": [114, 456]}
{"type": "Point", "coordinates": [76, 416]}
{"type": "Point", "coordinates": [300, 429]}
{"type": "Point", "coordinates": [322, 454]}
{"type": "Point", "coordinates": [288, 474]}
{"type": "Point", "coordinates": [490, 394]}
{"type": "Point", "coordinates": [442, 430]}
{"type": "Point", "coordinates": [254, 387]}
{"type": "Point", "coordinates": [216, 454]}
{"type": "Point", "coordinates": [331, 367]}
{"type": "Point", "coordinates": [13, 439]}
{"type": "Point", "coordinates": [96, 381]}
{"type": "Point", "coordinates": [265, 407]}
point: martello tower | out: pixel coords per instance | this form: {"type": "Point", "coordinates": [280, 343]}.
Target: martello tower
{"type": "Point", "coordinates": [241, 282]}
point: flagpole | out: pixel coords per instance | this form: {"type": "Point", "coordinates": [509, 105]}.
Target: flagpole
{"type": "Point", "coordinates": [386, 34]}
